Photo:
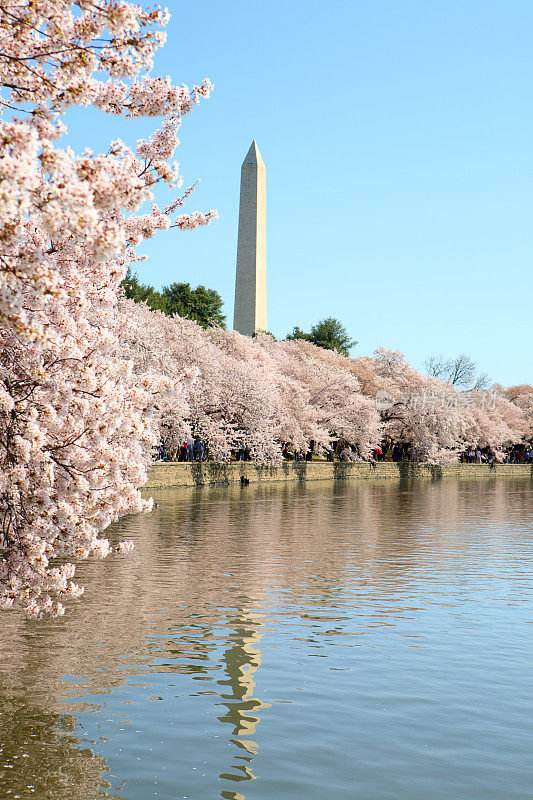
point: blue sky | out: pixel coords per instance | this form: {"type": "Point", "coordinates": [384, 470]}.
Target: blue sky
{"type": "Point", "coordinates": [398, 141]}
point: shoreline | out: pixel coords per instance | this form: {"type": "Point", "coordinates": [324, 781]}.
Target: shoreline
{"type": "Point", "coordinates": [169, 475]}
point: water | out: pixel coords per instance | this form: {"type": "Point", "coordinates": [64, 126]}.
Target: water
{"type": "Point", "coordinates": [348, 641]}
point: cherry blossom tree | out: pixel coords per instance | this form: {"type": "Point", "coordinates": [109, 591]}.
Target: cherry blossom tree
{"type": "Point", "coordinates": [254, 393]}
{"type": "Point", "coordinates": [521, 396]}
{"type": "Point", "coordinates": [322, 392]}
{"type": "Point", "coordinates": [228, 401]}
{"type": "Point", "coordinates": [76, 422]}
{"type": "Point", "coordinates": [431, 415]}
{"type": "Point", "coordinates": [259, 393]}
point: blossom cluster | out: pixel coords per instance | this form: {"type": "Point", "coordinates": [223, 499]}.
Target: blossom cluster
{"type": "Point", "coordinates": [77, 421]}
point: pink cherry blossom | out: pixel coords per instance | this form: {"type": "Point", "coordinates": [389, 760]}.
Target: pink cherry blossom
{"type": "Point", "coordinates": [259, 393]}
{"type": "Point", "coordinates": [77, 421]}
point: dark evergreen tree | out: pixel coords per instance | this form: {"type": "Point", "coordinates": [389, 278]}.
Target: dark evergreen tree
{"type": "Point", "coordinates": [142, 293]}
{"type": "Point", "coordinates": [202, 305]}
{"type": "Point", "coordinates": [329, 333]}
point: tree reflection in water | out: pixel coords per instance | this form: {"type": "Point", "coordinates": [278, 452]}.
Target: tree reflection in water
{"type": "Point", "coordinates": [42, 756]}
{"type": "Point", "coordinates": [333, 569]}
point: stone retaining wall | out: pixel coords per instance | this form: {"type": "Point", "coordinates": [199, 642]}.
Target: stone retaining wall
{"type": "Point", "coordinates": [169, 475]}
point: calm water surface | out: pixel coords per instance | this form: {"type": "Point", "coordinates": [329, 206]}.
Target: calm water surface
{"type": "Point", "coordinates": [341, 642]}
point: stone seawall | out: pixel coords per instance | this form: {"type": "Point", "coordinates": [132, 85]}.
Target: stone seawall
{"type": "Point", "coordinates": [169, 475]}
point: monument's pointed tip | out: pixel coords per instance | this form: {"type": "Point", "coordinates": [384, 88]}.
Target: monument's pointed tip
{"type": "Point", "coordinates": [253, 156]}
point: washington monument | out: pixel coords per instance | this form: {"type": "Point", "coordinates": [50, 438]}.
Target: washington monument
{"type": "Point", "coordinates": [250, 285]}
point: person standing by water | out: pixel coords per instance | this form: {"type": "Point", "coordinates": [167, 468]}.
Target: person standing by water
{"type": "Point", "coordinates": [199, 448]}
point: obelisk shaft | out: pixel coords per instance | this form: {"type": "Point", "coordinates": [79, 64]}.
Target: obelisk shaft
{"type": "Point", "coordinates": [250, 284]}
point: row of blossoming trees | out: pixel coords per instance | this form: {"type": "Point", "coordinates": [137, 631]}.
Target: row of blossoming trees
{"type": "Point", "coordinates": [260, 393]}
{"type": "Point", "coordinates": [87, 384]}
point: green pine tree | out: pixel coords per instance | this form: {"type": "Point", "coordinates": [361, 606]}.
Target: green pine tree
{"type": "Point", "coordinates": [329, 333]}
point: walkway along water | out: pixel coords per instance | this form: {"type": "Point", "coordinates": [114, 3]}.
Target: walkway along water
{"type": "Point", "coordinates": [166, 475]}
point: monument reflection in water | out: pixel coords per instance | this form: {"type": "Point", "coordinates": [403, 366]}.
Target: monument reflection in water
{"type": "Point", "coordinates": [340, 641]}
